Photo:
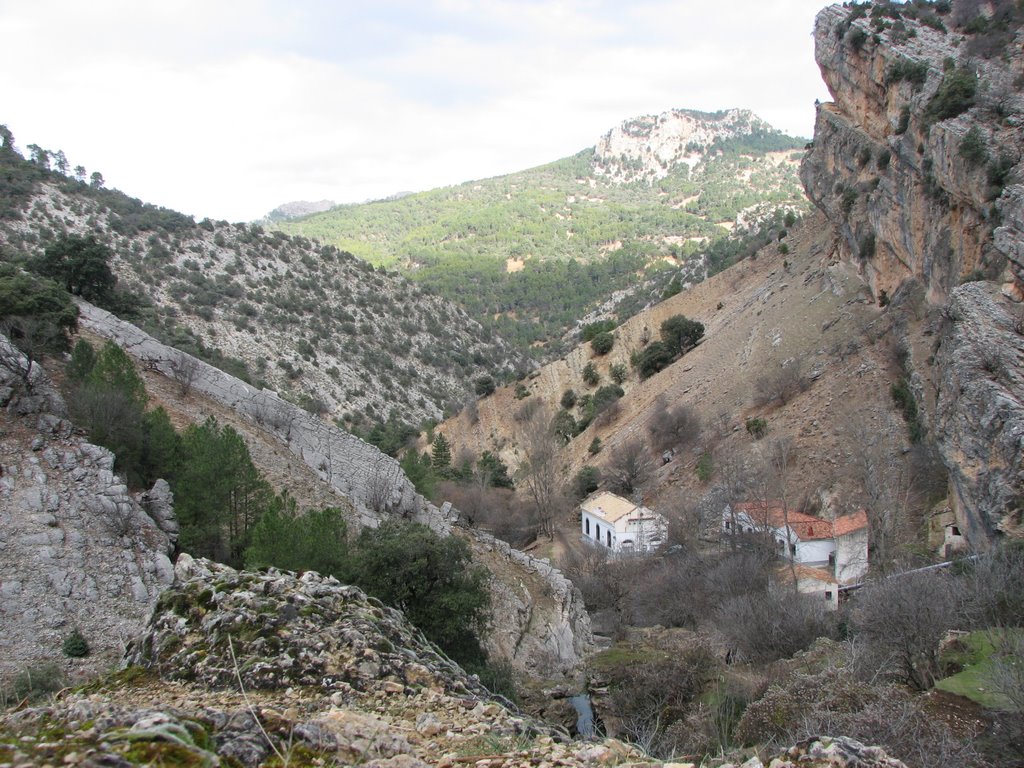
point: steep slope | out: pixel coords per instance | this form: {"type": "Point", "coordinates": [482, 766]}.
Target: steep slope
{"type": "Point", "coordinates": [904, 282]}
{"type": "Point", "coordinates": [540, 248]}
{"type": "Point", "coordinates": [323, 329]}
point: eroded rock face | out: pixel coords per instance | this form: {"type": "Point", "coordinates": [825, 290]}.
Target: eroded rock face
{"type": "Point", "coordinates": [77, 551]}
{"type": "Point", "coordinates": [915, 197]}
{"type": "Point", "coordinates": [895, 182]}
{"type": "Point", "coordinates": [979, 416]}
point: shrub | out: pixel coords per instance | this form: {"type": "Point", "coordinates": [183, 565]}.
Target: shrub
{"type": "Point", "coordinates": [618, 372]}
{"type": "Point", "coordinates": [484, 386]}
{"type": "Point", "coordinates": [905, 401]}
{"type": "Point", "coordinates": [867, 246]}
{"type": "Point", "coordinates": [681, 334]}
{"type": "Point", "coordinates": [602, 343]}
{"type": "Point", "coordinates": [756, 427]}
{"type": "Point", "coordinates": [33, 683]}
{"type": "Point", "coordinates": [780, 385]}
{"type": "Point", "coordinates": [568, 399]}
{"type": "Point", "coordinates": [595, 446]}
{"type": "Point", "coordinates": [774, 625]}
{"type": "Point", "coordinates": [586, 481]}
{"type": "Point", "coordinates": [590, 375]}
{"type": "Point", "coordinates": [593, 329]}
{"type": "Point", "coordinates": [655, 356]}
{"type": "Point", "coordinates": [904, 121]}
{"type": "Point", "coordinates": [75, 645]}
{"type": "Point", "coordinates": [973, 148]}
{"type": "Point", "coordinates": [954, 96]}
{"type": "Point", "coordinates": [672, 428]}
{"type": "Point", "coordinates": [705, 466]}
{"type": "Point", "coordinates": [915, 72]}
{"type": "Point", "coordinates": [883, 159]}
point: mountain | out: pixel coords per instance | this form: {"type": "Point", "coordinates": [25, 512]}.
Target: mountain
{"type": "Point", "coordinates": [326, 330]}
{"type": "Point", "coordinates": [298, 209]}
{"type": "Point", "coordinates": [530, 253]}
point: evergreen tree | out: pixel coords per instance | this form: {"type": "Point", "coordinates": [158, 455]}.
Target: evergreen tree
{"type": "Point", "coordinates": [441, 454]}
{"type": "Point", "coordinates": [494, 469]}
{"type": "Point", "coordinates": [81, 265]}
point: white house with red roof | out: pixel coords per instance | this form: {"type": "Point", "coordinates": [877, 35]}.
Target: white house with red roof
{"type": "Point", "coordinates": [621, 525]}
{"type": "Point", "coordinates": [839, 547]}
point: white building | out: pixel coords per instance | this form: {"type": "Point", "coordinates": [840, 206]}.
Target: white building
{"type": "Point", "coordinates": [839, 547]}
{"type": "Point", "coordinates": [620, 525]}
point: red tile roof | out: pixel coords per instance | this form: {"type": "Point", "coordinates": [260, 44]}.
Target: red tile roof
{"type": "Point", "coordinates": [806, 527]}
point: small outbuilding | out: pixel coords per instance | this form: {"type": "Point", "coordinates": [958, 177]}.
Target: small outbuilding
{"type": "Point", "coordinates": [621, 525]}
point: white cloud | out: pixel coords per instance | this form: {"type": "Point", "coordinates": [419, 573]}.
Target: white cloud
{"type": "Point", "coordinates": [227, 109]}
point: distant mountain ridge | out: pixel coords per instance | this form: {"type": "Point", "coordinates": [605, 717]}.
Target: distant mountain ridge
{"type": "Point", "coordinates": [299, 208]}
{"type": "Point", "coordinates": [651, 200]}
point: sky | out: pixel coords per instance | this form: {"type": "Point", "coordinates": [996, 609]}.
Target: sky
{"type": "Point", "coordinates": [227, 108]}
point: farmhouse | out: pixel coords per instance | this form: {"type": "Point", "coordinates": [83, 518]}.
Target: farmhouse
{"type": "Point", "coordinates": [839, 546]}
{"type": "Point", "coordinates": [620, 525]}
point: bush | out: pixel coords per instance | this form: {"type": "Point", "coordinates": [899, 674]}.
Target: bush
{"type": "Point", "coordinates": [75, 645]}
{"type": "Point", "coordinates": [590, 375]}
{"type": "Point", "coordinates": [568, 399]}
{"type": "Point", "coordinates": [587, 481]}
{"type": "Point", "coordinates": [905, 401]}
{"type": "Point", "coordinates": [780, 385]}
{"type": "Point", "coordinates": [915, 72]}
{"type": "Point", "coordinates": [773, 625]}
{"type": "Point", "coordinates": [655, 357]}
{"type": "Point", "coordinates": [705, 466]}
{"type": "Point", "coordinates": [954, 96]}
{"type": "Point", "coordinates": [673, 428]}
{"type": "Point", "coordinates": [602, 343]}
{"type": "Point", "coordinates": [618, 372]}
{"type": "Point", "coordinates": [973, 148]}
{"type": "Point", "coordinates": [33, 683]}
{"type": "Point", "coordinates": [903, 620]}
{"type": "Point", "coordinates": [756, 427]}
{"type": "Point", "coordinates": [595, 446]}
{"type": "Point", "coordinates": [484, 386]}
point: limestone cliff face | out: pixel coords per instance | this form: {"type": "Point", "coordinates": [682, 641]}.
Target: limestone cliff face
{"type": "Point", "coordinates": [76, 550]}
{"type": "Point", "coordinates": [893, 178]}
{"type": "Point", "coordinates": [538, 622]}
{"type": "Point", "coordinates": [979, 416]}
{"type": "Point", "coordinates": [648, 148]}
{"type": "Point", "coordinates": [917, 165]}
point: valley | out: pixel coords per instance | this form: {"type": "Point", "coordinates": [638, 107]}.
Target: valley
{"type": "Point", "coordinates": [805, 428]}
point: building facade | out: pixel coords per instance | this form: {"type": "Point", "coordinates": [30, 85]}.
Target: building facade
{"type": "Point", "coordinates": [620, 525]}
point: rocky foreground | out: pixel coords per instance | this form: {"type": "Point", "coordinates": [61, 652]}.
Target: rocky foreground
{"type": "Point", "coordinates": [269, 668]}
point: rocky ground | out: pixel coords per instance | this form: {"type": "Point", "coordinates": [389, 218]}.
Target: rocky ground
{"type": "Point", "coordinates": [242, 668]}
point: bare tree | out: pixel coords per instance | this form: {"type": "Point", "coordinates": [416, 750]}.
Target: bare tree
{"type": "Point", "coordinates": [672, 428]}
{"type": "Point", "coordinates": [780, 385]}
{"type": "Point", "coordinates": [628, 467]}
{"type": "Point", "coordinates": [382, 483]}
{"type": "Point", "coordinates": [538, 472]}
{"type": "Point", "coordinates": [904, 618]}
{"type": "Point", "coordinates": [185, 370]}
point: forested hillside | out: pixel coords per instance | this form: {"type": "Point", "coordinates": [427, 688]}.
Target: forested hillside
{"type": "Point", "coordinates": [528, 254]}
{"type": "Point", "coordinates": [323, 329]}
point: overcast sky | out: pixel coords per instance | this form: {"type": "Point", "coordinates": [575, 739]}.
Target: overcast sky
{"type": "Point", "coordinates": [226, 108]}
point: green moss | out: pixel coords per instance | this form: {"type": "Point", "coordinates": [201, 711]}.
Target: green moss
{"type": "Point", "coordinates": [974, 656]}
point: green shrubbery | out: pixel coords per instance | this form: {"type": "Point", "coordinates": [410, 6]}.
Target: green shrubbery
{"type": "Point", "coordinates": [955, 94]}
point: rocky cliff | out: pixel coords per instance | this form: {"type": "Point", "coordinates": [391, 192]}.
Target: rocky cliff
{"type": "Point", "coordinates": [77, 551]}
{"type": "Point", "coordinates": [916, 163]}
{"type": "Point", "coordinates": [538, 622]}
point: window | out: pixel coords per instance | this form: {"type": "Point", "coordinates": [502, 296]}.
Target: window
{"type": "Point", "coordinates": [597, 532]}
{"type": "Point", "coordinates": [587, 521]}
{"type": "Point", "coordinates": [828, 594]}
{"type": "Point", "coordinates": [609, 535]}
{"type": "Point", "coordinates": [831, 559]}
{"type": "Point", "coordinates": [728, 525]}
{"type": "Point", "coordinates": [954, 530]}
{"type": "Point", "coordinates": [792, 550]}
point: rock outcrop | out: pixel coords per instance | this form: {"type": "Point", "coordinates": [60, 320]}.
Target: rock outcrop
{"type": "Point", "coordinates": [270, 668]}
{"type": "Point", "coordinates": [917, 165]}
{"type": "Point", "coordinates": [538, 621]}
{"type": "Point", "coordinates": [825, 752]}
{"type": "Point", "coordinates": [77, 551]}
{"type": "Point", "coordinates": [979, 415]}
